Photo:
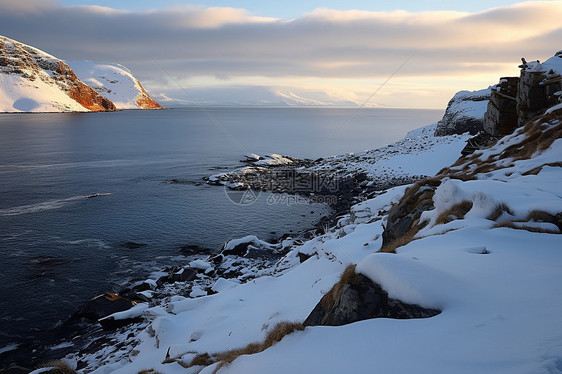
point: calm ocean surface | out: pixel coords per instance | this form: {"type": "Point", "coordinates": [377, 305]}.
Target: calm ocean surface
{"type": "Point", "coordinates": [59, 249]}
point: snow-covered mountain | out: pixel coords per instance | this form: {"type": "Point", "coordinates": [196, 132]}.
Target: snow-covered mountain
{"type": "Point", "coordinates": [34, 81]}
{"type": "Point", "coordinates": [116, 83]}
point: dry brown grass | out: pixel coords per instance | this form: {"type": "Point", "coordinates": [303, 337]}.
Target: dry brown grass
{"type": "Point", "coordinates": [538, 138]}
{"type": "Point", "coordinates": [276, 334]}
{"type": "Point", "coordinates": [202, 359]}
{"type": "Point", "coordinates": [457, 211]}
{"type": "Point", "coordinates": [348, 276]}
{"type": "Point", "coordinates": [499, 209]}
{"type": "Point", "coordinates": [539, 135]}
{"type": "Point", "coordinates": [540, 216]}
{"type": "Point", "coordinates": [512, 225]}
{"type": "Point", "coordinates": [149, 371]}
{"type": "Point", "coordinates": [404, 239]}
{"type": "Point", "coordinates": [463, 176]}
{"type": "Point", "coordinates": [420, 194]}
{"type": "Point", "coordinates": [58, 367]}
{"type": "Point", "coordinates": [279, 331]}
{"type": "Point", "coordinates": [538, 169]}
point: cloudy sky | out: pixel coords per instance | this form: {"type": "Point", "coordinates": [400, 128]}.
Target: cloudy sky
{"type": "Point", "coordinates": [331, 52]}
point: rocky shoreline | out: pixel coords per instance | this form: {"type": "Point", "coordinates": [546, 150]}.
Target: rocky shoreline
{"type": "Point", "coordinates": [114, 318]}
{"type": "Point", "coordinates": [346, 180]}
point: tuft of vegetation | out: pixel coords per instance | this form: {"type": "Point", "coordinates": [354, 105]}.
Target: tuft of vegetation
{"type": "Point", "coordinates": [538, 169]}
{"type": "Point", "coordinates": [202, 359]}
{"type": "Point", "coordinates": [541, 216]}
{"type": "Point", "coordinates": [402, 240]}
{"type": "Point", "coordinates": [539, 137]}
{"type": "Point", "coordinates": [499, 209]}
{"type": "Point", "coordinates": [58, 367]}
{"type": "Point", "coordinates": [276, 334]}
{"type": "Point", "coordinates": [512, 225]}
{"type": "Point", "coordinates": [457, 211]}
{"type": "Point", "coordinates": [149, 371]}
{"type": "Point", "coordinates": [279, 331]}
{"type": "Point", "coordinates": [348, 277]}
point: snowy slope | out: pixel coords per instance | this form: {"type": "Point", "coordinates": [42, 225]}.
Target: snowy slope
{"type": "Point", "coordinates": [25, 87]}
{"type": "Point", "coordinates": [419, 153]}
{"type": "Point", "coordinates": [496, 279]}
{"type": "Point", "coordinates": [18, 94]}
{"type": "Point", "coordinates": [115, 82]}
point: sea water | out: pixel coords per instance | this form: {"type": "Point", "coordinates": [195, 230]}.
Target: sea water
{"type": "Point", "coordinates": [58, 248]}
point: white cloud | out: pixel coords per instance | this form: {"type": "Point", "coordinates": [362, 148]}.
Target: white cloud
{"type": "Point", "coordinates": [232, 45]}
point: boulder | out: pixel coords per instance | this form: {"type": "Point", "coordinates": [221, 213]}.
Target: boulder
{"type": "Point", "coordinates": [250, 247]}
{"type": "Point", "coordinates": [356, 298]}
{"type": "Point", "coordinates": [464, 113]}
{"type": "Point", "coordinates": [104, 305]}
{"type": "Point", "coordinates": [404, 215]}
{"type": "Point", "coordinates": [185, 274]}
{"type": "Point", "coordinates": [110, 323]}
{"type": "Point", "coordinates": [132, 245]}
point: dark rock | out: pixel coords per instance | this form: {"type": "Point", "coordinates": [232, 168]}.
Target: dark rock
{"type": "Point", "coordinates": [407, 212]}
{"type": "Point", "coordinates": [194, 249]}
{"type": "Point", "coordinates": [111, 323]}
{"type": "Point", "coordinates": [558, 220]}
{"type": "Point", "coordinates": [480, 141]}
{"type": "Point", "coordinates": [97, 345]}
{"type": "Point", "coordinates": [184, 275]}
{"type": "Point", "coordinates": [303, 257]}
{"type": "Point", "coordinates": [359, 298]}
{"type": "Point", "coordinates": [262, 253]}
{"type": "Point", "coordinates": [104, 305]}
{"type": "Point", "coordinates": [238, 250]}
{"type": "Point", "coordinates": [360, 177]}
{"type": "Point", "coordinates": [133, 245]}
{"type": "Point", "coordinates": [250, 248]}
{"type": "Point", "coordinates": [216, 259]}
{"type": "Point", "coordinates": [134, 294]}
{"type": "Point", "coordinates": [459, 116]}
{"type": "Point", "coordinates": [142, 286]}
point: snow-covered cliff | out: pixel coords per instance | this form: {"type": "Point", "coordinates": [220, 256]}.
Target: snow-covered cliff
{"type": "Point", "coordinates": [464, 113]}
{"type": "Point", "coordinates": [114, 82]}
{"type": "Point", "coordinates": [34, 81]}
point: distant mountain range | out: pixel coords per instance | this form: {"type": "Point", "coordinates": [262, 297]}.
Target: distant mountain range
{"type": "Point", "coordinates": [34, 81]}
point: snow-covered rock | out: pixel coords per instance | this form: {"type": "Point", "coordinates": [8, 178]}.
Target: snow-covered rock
{"type": "Point", "coordinates": [464, 113]}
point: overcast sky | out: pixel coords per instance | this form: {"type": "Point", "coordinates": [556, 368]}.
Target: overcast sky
{"type": "Point", "coordinates": [251, 51]}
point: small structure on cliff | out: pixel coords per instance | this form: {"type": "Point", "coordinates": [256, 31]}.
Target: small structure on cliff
{"type": "Point", "coordinates": [515, 100]}
{"type": "Point", "coordinates": [510, 103]}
